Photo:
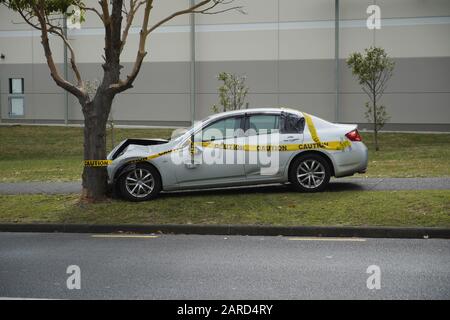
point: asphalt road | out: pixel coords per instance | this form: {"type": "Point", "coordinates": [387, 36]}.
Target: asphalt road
{"type": "Point", "coordinates": [218, 267]}
{"type": "Point", "coordinates": [342, 184]}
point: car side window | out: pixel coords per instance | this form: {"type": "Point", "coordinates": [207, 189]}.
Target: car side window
{"type": "Point", "coordinates": [263, 123]}
{"type": "Point", "coordinates": [222, 129]}
{"type": "Point", "coordinates": [292, 123]}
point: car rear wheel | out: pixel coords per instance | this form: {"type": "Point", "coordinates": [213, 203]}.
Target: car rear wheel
{"type": "Point", "coordinates": [140, 184]}
{"type": "Point", "coordinates": [310, 173]}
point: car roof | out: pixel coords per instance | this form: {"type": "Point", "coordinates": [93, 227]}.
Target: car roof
{"type": "Point", "coordinates": [212, 118]}
{"type": "Point", "coordinates": [253, 110]}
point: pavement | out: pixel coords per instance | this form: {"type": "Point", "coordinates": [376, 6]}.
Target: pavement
{"type": "Point", "coordinates": [343, 184]}
{"type": "Point", "coordinates": [34, 265]}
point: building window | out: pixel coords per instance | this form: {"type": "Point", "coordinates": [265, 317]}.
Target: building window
{"type": "Point", "coordinates": [16, 97]}
{"type": "Point", "coordinates": [16, 86]}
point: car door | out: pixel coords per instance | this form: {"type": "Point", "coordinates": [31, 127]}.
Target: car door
{"type": "Point", "coordinates": [281, 132]}
{"type": "Point", "coordinates": [262, 131]}
{"type": "Point", "coordinates": [217, 156]}
{"type": "Point", "coordinates": [291, 136]}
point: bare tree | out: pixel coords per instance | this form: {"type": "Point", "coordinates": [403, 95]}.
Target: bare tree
{"type": "Point", "coordinates": [117, 17]}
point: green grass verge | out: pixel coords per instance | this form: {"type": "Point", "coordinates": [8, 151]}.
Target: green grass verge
{"type": "Point", "coordinates": [40, 153]}
{"type": "Point", "coordinates": [45, 153]}
{"type": "Point", "coordinates": [277, 207]}
{"type": "Point", "coordinates": [409, 155]}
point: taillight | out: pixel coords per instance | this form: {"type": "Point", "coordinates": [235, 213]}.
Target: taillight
{"type": "Point", "coordinates": [354, 135]}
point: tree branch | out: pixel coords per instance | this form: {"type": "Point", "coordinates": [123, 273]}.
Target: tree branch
{"type": "Point", "coordinates": [73, 64]}
{"type": "Point", "coordinates": [368, 92]}
{"type": "Point", "coordinates": [27, 17]}
{"type": "Point", "coordinates": [122, 85]}
{"type": "Point", "coordinates": [45, 30]}
{"type": "Point", "coordinates": [134, 7]}
{"type": "Point", "coordinates": [382, 83]}
{"type": "Point", "coordinates": [58, 30]}
{"type": "Point", "coordinates": [107, 24]}
{"type": "Point", "coordinates": [193, 9]}
{"type": "Point", "coordinates": [94, 11]}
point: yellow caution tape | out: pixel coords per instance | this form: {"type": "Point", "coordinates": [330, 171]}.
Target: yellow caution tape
{"type": "Point", "coordinates": [105, 163]}
{"type": "Point", "coordinates": [333, 145]}
{"type": "Point", "coordinates": [97, 163]}
{"type": "Point", "coordinates": [329, 145]}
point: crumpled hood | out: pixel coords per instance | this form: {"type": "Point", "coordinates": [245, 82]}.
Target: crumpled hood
{"type": "Point", "coordinates": [137, 146]}
{"type": "Point", "coordinates": [139, 150]}
{"type": "Point", "coordinates": [135, 151]}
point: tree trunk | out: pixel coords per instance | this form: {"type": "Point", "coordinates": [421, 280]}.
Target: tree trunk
{"type": "Point", "coordinates": [375, 122]}
{"type": "Point", "coordinates": [94, 179]}
{"type": "Point", "coordinates": [377, 148]}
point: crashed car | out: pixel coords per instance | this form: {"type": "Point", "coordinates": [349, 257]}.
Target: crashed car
{"type": "Point", "coordinates": [227, 149]}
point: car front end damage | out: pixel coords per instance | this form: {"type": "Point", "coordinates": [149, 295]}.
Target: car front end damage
{"type": "Point", "coordinates": [127, 152]}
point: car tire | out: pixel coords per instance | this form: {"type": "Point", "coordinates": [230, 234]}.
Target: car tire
{"type": "Point", "coordinates": [310, 173]}
{"type": "Point", "coordinates": [140, 184]}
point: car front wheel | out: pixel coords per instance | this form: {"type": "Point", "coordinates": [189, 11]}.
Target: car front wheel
{"type": "Point", "coordinates": [310, 173]}
{"type": "Point", "coordinates": [140, 184]}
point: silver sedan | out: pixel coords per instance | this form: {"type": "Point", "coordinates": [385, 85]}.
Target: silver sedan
{"type": "Point", "coordinates": [236, 148]}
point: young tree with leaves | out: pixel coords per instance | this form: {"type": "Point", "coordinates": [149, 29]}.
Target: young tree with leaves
{"type": "Point", "coordinates": [232, 92]}
{"type": "Point", "coordinates": [117, 17]}
{"type": "Point", "coordinates": [373, 68]}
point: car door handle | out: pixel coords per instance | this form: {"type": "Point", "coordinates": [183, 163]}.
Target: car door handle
{"type": "Point", "coordinates": [291, 139]}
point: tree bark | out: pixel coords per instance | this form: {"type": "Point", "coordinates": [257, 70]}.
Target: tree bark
{"type": "Point", "coordinates": [94, 179]}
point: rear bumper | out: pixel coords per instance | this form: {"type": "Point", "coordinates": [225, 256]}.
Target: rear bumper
{"type": "Point", "coordinates": [353, 160]}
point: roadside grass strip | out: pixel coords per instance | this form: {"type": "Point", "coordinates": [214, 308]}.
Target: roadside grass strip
{"type": "Point", "coordinates": [407, 208]}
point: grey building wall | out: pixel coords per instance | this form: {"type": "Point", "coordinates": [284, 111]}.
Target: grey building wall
{"type": "Point", "coordinates": [418, 95]}
{"type": "Point", "coordinates": [284, 47]}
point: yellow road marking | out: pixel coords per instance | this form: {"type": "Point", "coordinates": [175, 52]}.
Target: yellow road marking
{"type": "Point", "coordinates": [122, 236]}
{"type": "Point", "coordinates": [327, 239]}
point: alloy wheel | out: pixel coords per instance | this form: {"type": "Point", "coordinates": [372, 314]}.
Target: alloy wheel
{"type": "Point", "coordinates": [310, 173]}
{"type": "Point", "coordinates": [139, 182]}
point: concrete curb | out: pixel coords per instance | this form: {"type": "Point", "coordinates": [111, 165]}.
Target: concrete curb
{"type": "Point", "coordinates": [298, 231]}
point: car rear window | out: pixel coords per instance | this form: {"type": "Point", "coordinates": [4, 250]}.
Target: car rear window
{"type": "Point", "coordinates": [292, 123]}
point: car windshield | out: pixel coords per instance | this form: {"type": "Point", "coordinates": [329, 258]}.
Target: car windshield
{"type": "Point", "coordinates": [177, 134]}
